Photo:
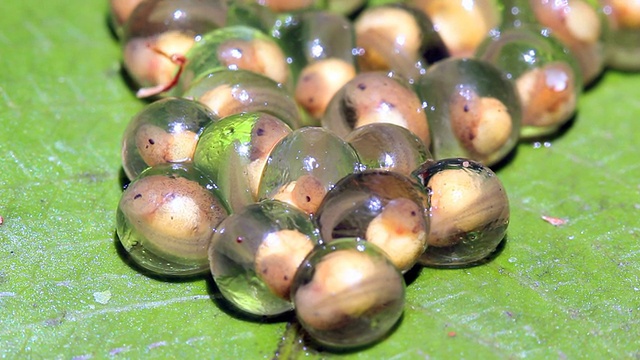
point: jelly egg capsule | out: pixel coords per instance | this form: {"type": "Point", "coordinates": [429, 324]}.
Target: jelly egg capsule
{"type": "Point", "coordinates": [373, 98]}
{"type": "Point", "coordinates": [347, 294]}
{"type": "Point", "coordinates": [120, 11]}
{"type": "Point", "coordinates": [234, 151]}
{"type": "Point", "coordinates": [255, 253]}
{"type": "Point", "coordinates": [577, 24]}
{"type": "Point", "coordinates": [397, 37]}
{"type": "Point", "coordinates": [344, 6]}
{"type": "Point", "coordinates": [462, 25]}
{"type": "Point", "coordinates": [388, 147]}
{"type": "Point", "coordinates": [546, 75]}
{"type": "Point", "coordinates": [228, 92]}
{"type": "Point", "coordinates": [469, 212]}
{"type": "Point", "coordinates": [149, 60]}
{"type": "Point", "coordinates": [306, 164]}
{"type": "Point", "coordinates": [234, 48]}
{"type": "Point", "coordinates": [305, 193]}
{"type": "Point", "coordinates": [622, 43]}
{"type": "Point", "coordinates": [483, 125]}
{"type": "Point", "coordinates": [286, 5]}
{"type": "Point", "coordinates": [159, 32]}
{"type": "Point", "coordinates": [548, 95]}
{"type": "Point", "coordinates": [166, 218]}
{"type": "Point", "coordinates": [165, 131]}
{"type": "Point", "coordinates": [383, 207]}
{"type": "Point", "coordinates": [319, 81]}
{"type": "Point", "coordinates": [473, 110]}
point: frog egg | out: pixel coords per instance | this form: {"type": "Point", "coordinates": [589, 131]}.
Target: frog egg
{"type": "Point", "coordinates": [473, 110]}
{"type": "Point", "coordinates": [234, 151]}
{"type": "Point", "coordinates": [255, 253]}
{"type": "Point", "coordinates": [228, 92]}
{"type": "Point", "coordinates": [313, 35]}
{"type": "Point", "coordinates": [580, 27]}
{"type": "Point", "coordinates": [234, 48]}
{"type": "Point", "coordinates": [383, 207]}
{"type": "Point", "coordinates": [347, 294]}
{"type": "Point", "coordinates": [165, 131]}
{"type": "Point", "coordinates": [119, 12]}
{"type": "Point", "coordinates": [345, 7]}
{"type": "Point", "coordinates": [546, 75]}
{"type": "Point", "coordinates": [461, 24]}
{"type": "Point", "coordinates": [622, 43]}
{"type": "Point", "coordinates": [304, 165]}
{"type": "Point", "coordinates": [166, 218]}
{"type": "Point", "coordinates": [286, 5]}
{"type": "Point", "coordinates": [159, 32]}
{"type": "Point", "coordinates": [318, 83]}
{"type": "Point", "coordinates": [376, 98]}
{"type": "Point", "coordinates": [388, 147]}
{"type": "Point", "coordinates": [469, 212]}
{"type": "Point", "coordinates": [319, 47]}
{"type": "Point", "coordinates": [397, 37]}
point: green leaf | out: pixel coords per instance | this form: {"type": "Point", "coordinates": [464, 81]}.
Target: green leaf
{"type": "Point", "coordinates": [65, 291]}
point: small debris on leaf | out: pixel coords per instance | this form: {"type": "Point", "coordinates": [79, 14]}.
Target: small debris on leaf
{"type": "Point", "coordinates": [554, 220]}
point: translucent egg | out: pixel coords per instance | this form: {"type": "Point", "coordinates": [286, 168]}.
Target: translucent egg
{"type": "Point", "coordinates": [376, 97]}
{"type": "Point", "coordinates": [255, 253]}
{"type": "Point", "coordinates": [319, 47]}
{"type": "Point", "coordinates": [388, 147]}
{"type": "Point", "coordinates": [399, 38]}
{"type": "Point", "coordinates": [228, 92]}
{"type": "Point", "coordinates": [234, 48]}
{"type": "Point", "coordinates": [578, 24]}
{"type": "Point", "coordinates": [166, 218]}
{"type": "Point", "coordinates": [472, 108]}
{"type": "Point", "coordinates": [622, 43]}
{"type": "Point", "coordinates": [348, 294]}
{"type": "Point", "coordinates": [546, 75]}
{"type": "Point", "coordinates": [462, 24]}
{"type": "Point", "coordinates": [165, 131]}
{"type": "Point", "coordinates": [382, 207]}
{"type": "Point", "coordinates": [234, 151]}
{"type": "Point", "coordinates": [469, 212]}
{"type": "Point", "coordinates": [158, 31]}
{"type": "Point", "coordinates": [304, 165]}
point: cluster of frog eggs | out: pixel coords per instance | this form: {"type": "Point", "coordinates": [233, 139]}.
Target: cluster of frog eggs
{"type": "Point", "coordinates": [229, 175]}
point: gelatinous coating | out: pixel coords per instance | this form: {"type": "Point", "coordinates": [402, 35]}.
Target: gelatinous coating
{"type": "Point", "coordinates": [399, 38]}
{"type": "Point", "coordinates": [255, 253]}
{"type": "Point", "coordinates": [383, 207]}
{"type": "Point", "coordinates": [165, 131]}
{"type": "Point", "coordinates": [159, 29]}
{"type": "Point", "coordinates": [228, 92]}
{"type": "Point", "coordinates": [462, 24]}
{"type": "Point", "coordinates": [547, 76]}
{"type": "Point", "coordinates": [234, 151]}
{"type": "Point", "coordinates": [304, 165]}
{"type": "Point", "coordinates": [472, 108]}
{"type": "Point", "coordinates": [482, 124]}
{"type": "Point", "coordinates": [388, 147]}
{"type": "Point", "coordinates": [166, 218]}
{"type": "Point", "coordinates": [234, 48]}
{"type": "Point", "coordinates": [319, 81]}
{"type": "Point", "coordinates": [313, 35]}
{"type": "Point", "coordinates": [577, 24]}
{"type": "Point", "coordinates": [469, 212]}
{"type": "Point", "coordinates": [286, 5]}
{"type": "Point", "coordinates": [120, 11]}
{"type": "Point", "coordinates": [376, 98]}
{"type": "Point", "coordinates": [622, 43]}
{"type": "Point", "coordinates": [348, 294]}
{"type": "Point", "coordinates": [149, 60]}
